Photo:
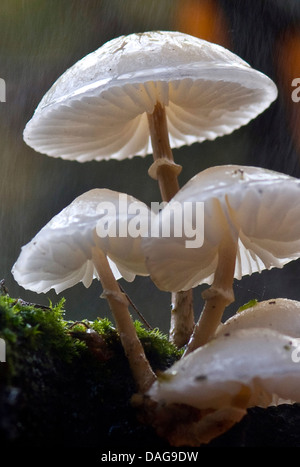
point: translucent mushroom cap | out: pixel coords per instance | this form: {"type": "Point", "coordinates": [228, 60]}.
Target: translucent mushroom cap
{"type": "Point", "coordinates": [246, 368]}
{"type": "Point", "coordinates": [279, 314]}
{"type": "Point", "coordinates": [97, 108]}
{"type": "Point", "coordinates": [259, 208]}
{"type": "Point", "coordinates": [61, 254]}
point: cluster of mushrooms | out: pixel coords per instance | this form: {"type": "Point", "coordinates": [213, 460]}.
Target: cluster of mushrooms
{"type": "Point", "coordinates": [145, 94]}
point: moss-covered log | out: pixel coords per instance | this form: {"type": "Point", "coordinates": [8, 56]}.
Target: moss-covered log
{"type": "Point", "coordinates": [66, 383]}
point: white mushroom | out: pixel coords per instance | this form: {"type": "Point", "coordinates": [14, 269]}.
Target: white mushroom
{"type": "Point", "coordinates": [70, 249]}
{"type": "Point", "coordinates": [146, 93]}
{"type": "Point", "coordinates": [249, 367]}
{"type": "Point", "coordinates": [98, 108]}
{"type": "Point", "coordinates": [61, 254]}
{"type": "Point", "coordinates": [251, 223]}
{"type": "Point", "coordinates": [279, 314]}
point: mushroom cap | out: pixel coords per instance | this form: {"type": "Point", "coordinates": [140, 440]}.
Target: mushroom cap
{"type": "Point", "coordinates": [259, 208]}
{"type": "Point", "coordinates": [250, 367]}
{"type": "Point", "coordinates": [97, 108]}
{"type": "Point", "coordinates": [280, 314]}
{"type": "Point", "coordinates": [60, 255]}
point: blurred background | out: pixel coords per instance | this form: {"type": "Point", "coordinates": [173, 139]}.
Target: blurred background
{"type": "Point", "coordinates": [40, 39]}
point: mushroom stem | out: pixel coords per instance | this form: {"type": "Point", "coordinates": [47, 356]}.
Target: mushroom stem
{"type": "Point", "coordinates": [182, 318]}
{"type": "Point", "coordinates": [118, 303]}
{"type": "Point", "coordinates": [164, 168]}
{"type": "Point", "coordinates": [166, 172]}
{"type": "Point", "coordinates": [218, 296]}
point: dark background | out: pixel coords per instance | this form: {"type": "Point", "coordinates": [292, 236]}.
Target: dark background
{"type": "Point", "coordinates": [40, 39]}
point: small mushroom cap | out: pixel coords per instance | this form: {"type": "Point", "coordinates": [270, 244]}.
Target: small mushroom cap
{"type": "Point", "coordinates": [97, 108]}
{"type": "Point", "coordinates": [60, 255]}
{"type": "Point", "coordinates": [259, 208]}
{"type": "Point", "coordinates": [246, 368]}
{"type": "Point", "coordinates": [280, 314]}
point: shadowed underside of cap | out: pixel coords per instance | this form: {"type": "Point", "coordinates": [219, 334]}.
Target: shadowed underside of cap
{"type": "Point", "coordinates": [97, 109]}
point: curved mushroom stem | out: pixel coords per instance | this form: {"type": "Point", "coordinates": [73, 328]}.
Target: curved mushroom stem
{"type": "Point", "coordinates": [166, 172]}
{"type": "Point", "coordinates": [140, 367]}
{"type": "Point", "coordinates": [182, 318]}
{"type": "Point", "coordinates": [218, 296]}
{"type": "Point", "coordinates": [163, 168]}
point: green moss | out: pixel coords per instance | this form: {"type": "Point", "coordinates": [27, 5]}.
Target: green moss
{"type": "Point", "coordinates": [159, 350]}
{"type": "Point", "coordinates": [28, 328]}
{"type": "Point", "coordinates": [69, 382]}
